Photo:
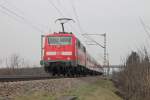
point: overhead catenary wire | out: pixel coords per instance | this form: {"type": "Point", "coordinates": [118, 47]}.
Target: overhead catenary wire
{"type": "Point", "coordinates": [13, 7]}
{"type": "Point", "coordinates": [59, 11]}
{"type": "Point", "coordinates": [65, 11]}
{"type": "Point", "coordinates": [79, 25]}
{"type": "Point", "coordinates": [78, 21]}
{"type": "Point", "coordinates": [67, 14]}
{"type": "Point", "coordinates": [20, 17]}
{"type": "Point", "coordinates": [92, 40]}
{"type": "Point", "coordinates": [76, 16]}
{"type": "Point", "coordinates": [81, 30]}
{"type": "Point", "coordinates": [144, 26]}
{"type": "Point", "coordinates": [52, 4]}
{"type": "Point", "coordinates": [20, 12]}
{"type": "Point", "coordinates": [8, 14]}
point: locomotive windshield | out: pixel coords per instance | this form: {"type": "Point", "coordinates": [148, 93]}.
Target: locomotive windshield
{"type": "Point", "coordinates": [59, 40]}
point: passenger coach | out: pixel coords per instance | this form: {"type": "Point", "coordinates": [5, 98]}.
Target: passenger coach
{"type": "Point", "coordinates": [63, 53]}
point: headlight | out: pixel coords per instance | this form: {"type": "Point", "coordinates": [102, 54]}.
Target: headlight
{"type": "Point", "coordinates": [68, 58]}
{"type": "Point", "coordinates": [50, 53]}
{"type": "Point", "coordinates": [67, 53]}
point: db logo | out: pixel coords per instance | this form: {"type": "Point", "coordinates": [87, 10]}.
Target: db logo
{"type": "Point", "coordinates": [58, 46]}
{"type": "Point", "coordinates": [58, 53]}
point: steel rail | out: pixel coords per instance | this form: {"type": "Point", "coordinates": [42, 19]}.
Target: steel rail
{"type": "Point", "coordinates": [14, 78]}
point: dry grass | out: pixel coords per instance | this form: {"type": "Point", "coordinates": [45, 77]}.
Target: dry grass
{"type": "Point", "coordinates": [134, 80]}
{"type": "Point", "coordinates": [101, 90]}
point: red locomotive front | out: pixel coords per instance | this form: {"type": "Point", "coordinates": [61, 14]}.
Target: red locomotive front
{"type": "Point", "coordinates": [59, 47]}
{"type": "Point", "coordinates": [59, 51]}
{"type": "Point", "coordinates": [65, 54]}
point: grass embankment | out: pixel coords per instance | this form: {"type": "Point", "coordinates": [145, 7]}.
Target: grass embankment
{"type": "Point", "coordinates": [100, 90]}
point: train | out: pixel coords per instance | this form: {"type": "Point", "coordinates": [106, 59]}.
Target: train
{"type": "Point", "coordinates": [64, 54]}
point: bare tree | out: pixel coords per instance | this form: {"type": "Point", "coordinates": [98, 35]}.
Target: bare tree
{"type": "Point", "coordinates": [134, 80]}
{"type": "Point", "coordinates": [13, 63]}
{"type": "Point", "coordinates": [16, 65]}
{"type": "Point", "coordinates": [1, 62]}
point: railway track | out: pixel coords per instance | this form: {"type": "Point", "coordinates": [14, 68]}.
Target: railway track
{"type": "Point", "coordinates": [13, 78]}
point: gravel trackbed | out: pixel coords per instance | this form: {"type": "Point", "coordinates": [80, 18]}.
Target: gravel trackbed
{"type": "Point", "coordinates": [9, 90]}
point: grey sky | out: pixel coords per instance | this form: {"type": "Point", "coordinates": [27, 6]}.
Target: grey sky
{"type": "Point", "coordinates": [118, 18]}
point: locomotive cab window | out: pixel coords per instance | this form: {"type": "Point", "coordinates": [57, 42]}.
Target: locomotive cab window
{"type": "Point", "coordinates": [79, 44]}
{"type": "Point", "coordinates": [59, 40]}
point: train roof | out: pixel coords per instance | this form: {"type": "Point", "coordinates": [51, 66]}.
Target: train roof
{"type": "Point", "coordinates": [61, 34]}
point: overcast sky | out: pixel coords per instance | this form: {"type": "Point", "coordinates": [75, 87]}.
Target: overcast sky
{"type": "Point", "coordinates": [27, 20]}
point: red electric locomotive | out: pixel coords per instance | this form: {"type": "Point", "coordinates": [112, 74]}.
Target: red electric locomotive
{"type": "Point", "coordinates": [64, 54]}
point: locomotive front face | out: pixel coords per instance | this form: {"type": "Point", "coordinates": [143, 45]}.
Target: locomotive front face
{"type": "Point", "coordinates": [65, 54]}
{"type": "Point", "coordinates": [59, 49]}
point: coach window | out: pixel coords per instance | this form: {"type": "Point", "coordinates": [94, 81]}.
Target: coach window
{"type": "Point", "coordinates": [79, 45]}
{"type": "Point", "coordinates": [84, 49]}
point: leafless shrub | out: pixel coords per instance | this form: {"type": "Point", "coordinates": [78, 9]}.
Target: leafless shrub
{"type": "Point", "coordinates": [13, 63]}
{"type": "Point", "coordinates": [1, 61]}
{"type": "Point", "coordinates": [134, 80]}
{"type": "Point", "coordinates": [16, 65]}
